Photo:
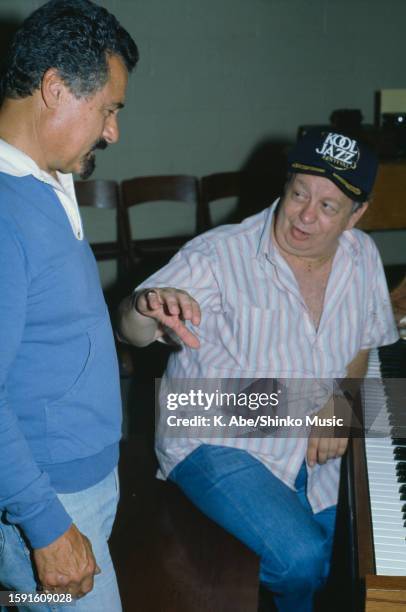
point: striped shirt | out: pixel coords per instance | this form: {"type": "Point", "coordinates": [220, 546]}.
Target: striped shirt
{"type": "Point", "coordinates": [255, 324]}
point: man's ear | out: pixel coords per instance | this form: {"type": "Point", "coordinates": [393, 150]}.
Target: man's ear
{"type": "Point", "coordinates": [53, 89]}
{"type": "Point", "coordinates": [356, 216]}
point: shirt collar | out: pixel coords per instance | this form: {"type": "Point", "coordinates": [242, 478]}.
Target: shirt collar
{"type": "Point", "coordinates": [15, 162]}
{"type": "Point", "coordinates": [268, 249]}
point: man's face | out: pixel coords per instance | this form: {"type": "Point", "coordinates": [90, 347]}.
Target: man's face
{"type": "Point", "coordinates": [312, 215]}
{"type": "Point", "coordinates": [86, 124]}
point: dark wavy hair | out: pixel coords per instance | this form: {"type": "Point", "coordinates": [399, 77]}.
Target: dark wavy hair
{"type": "Point", "coordinates": [74, 36]}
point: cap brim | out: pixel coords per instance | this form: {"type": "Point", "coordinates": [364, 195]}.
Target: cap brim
{"type": "Point", "coordinates": [354, 193]}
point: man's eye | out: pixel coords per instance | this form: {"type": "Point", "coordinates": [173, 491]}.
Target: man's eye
{"type": "Point", "coordinates": [329, 208]}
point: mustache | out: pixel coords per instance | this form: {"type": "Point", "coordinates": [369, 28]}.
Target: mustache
{"type": "Point", "coordinates": [100, 144]}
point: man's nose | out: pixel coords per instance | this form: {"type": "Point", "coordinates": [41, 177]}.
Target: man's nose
{"type": "Point", "coordinates": [111, 132]}
{"type": "Point", "coordinates": [308, 214]}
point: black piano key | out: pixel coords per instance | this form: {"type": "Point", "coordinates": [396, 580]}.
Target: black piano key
{"type": "Point", "coordinates": [400, 453]}
{"type": "Point", "coordinates": [393, 360]}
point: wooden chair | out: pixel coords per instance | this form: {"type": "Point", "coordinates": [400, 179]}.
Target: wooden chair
{"type": "Point", "coordinates": [105, 195]}
{"type": "Point", "coordinates": [149, 189]}
{"type": "Point", "coordinates": [253, 192]}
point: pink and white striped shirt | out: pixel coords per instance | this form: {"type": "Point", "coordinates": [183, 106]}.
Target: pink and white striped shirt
{"type": "Point", "coordinates": [255, 324]}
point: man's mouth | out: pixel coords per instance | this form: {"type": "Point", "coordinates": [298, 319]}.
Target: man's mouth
{"type": "Point", "coordinates": [299, 234]}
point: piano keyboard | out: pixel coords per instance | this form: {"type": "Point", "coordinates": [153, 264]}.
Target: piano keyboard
{"type": "Point", "coordinates": [388, 509]}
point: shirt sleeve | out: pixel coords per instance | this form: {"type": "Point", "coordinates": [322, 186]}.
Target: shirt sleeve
{"type": "Point", "coordinates": [194, 270]}
{"type": "Point", "coordinates": [26, 494]}
{"type": "Point", "coordinates": [380, 326]}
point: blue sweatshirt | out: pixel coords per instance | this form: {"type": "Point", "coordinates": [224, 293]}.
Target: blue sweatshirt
{"type": "Point", "coordinates": [60, 408]}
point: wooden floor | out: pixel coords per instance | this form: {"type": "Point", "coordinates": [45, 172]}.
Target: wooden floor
{"type": "Point", "coordinates": [169, 557]}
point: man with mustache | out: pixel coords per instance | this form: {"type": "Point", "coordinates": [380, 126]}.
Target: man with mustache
{"type": "Point", "coordinates": [60, 410]}
{"type": "Point", "coordinates": [291, 293]}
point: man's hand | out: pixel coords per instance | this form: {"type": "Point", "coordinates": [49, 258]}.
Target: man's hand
{"type": "Point", "coordinates": [323, 443]}
{"type": "Point", "coordinates": [170, 308]}
{"type": "Point", "coordinates": [67, 564]}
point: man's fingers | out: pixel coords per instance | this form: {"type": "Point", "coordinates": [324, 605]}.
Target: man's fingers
{"type": "Point", "coordinates": [186, 306]}
{"type": "Point", "coordinates": [67, 564]}
{"type": "Point", "coordinates": [196, 314]}
{"type": "Point", "coordinates": [183, 333]}
{"type": "Point", "coordinates": [180, 303]}
{"type": "Point", "coordinates": [153, 299]}
{"type": "Point", "coordinates": [170, 301]}
{"type": "Point", "coordinates": [78, 587]}
{"type": "Point", "coordinates": [57, 582]}
{"type": "Point", "coordinates": [170, 307]}
{"type": "Point", "coordinates": [320, 449]}
{"type": "Point", "coordinates": [342, 446]}
{"type": "Point", "coordinates": [85, 586]}
{"type": "Point", "coordinates": [149, 300]}
{"type": "Point", "coordinates": [323, 450]}
{"type": "Point", "coordinates": [312, 451]}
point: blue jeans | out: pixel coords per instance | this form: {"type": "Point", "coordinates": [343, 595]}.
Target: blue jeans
{"type": "Point", "coordinates": [239, 493]}
{"type": "Point", "coordinates": [93, 511]}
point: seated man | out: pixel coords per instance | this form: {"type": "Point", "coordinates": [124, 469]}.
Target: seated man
{"type": "Point", "coordinates": [293, 291]}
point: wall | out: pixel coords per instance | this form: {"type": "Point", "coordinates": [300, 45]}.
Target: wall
{"type": "Point", "coordinates": [218, 77]}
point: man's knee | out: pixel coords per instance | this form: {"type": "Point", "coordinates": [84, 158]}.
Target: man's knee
{"type": "Point", "coordinates": [304, 570]}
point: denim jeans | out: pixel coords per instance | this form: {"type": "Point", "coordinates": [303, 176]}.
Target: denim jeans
{"type": "Point", "coordinates": [93, 511]}
{"type": "Point", "coordinates": [239, 493]}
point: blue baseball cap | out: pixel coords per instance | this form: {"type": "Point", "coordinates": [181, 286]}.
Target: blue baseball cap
{"type": "Point", "coordinates": [345, 161]}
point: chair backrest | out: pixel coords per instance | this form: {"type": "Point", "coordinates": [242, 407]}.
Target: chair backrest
{"type": "Point", "coordinates": [252, 192]}
{"type": "Point", "coordinates": [142, 189]}
{"type": "Point", "coordinates": [97, 193]}
{"type": "Point", "coordinates": [165, 188]}
{"type": "Point", "coordinates": [103, 194]}
{"type": "Point", "coordinates": [216, 187]}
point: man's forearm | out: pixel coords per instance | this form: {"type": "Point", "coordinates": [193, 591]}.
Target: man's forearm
{"type": "Point", "coordinates": [134, 327]}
